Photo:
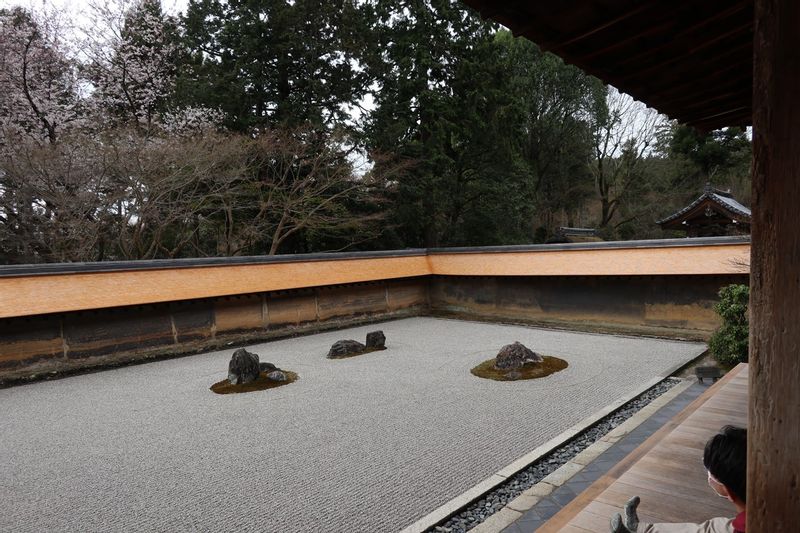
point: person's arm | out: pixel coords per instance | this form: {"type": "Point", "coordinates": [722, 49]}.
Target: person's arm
{"type": "Point", "coordinates": [632, 524]}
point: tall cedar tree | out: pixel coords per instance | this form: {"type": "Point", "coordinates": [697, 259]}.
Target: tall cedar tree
{"type": "Point", "coordinates": [498, 130]}
{"type": "Point", "coordinates": [426, 113]}
{"type": "Point", "coordinates": [267, 62]}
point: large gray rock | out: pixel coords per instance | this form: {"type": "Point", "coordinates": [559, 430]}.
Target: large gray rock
{"type": "Point", "coordinates": [345, 348]}
{"type": "Point", "coordinates": [513, 356]}
{"type": "Point", "coordinates": [243, 368]}
{"type": "Point", "coordinates": [376, 339]}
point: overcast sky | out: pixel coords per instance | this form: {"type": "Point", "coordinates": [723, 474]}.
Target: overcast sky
{"type": "Point", "coordinates": [78, 6]}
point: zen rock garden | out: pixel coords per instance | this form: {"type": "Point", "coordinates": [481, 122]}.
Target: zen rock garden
{"type": "Point", "coordinates": [515, 362]}
{"type": "Point", "coordinates": [246, 374]}
{"type": "Point", "coordinates": [375, 341]}
{"type": "Point", "coordinates": [338, 429]}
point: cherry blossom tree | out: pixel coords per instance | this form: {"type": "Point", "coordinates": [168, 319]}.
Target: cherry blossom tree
{"type": "Point", "coordinates": [132, 49]}
{"type": "Point", "coordinates": [39, 81]}
{"type": "Point", "coordinates": [40, 104]}
{"type": "Point", "coordinates": [97, 160]}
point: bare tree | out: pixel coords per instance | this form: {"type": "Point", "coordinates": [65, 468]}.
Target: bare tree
{"type": "Point", "coordinates": [623, 135]}
{"type": "Point", "coordinates": [286, 182]}
{"type": "Point", "coordinates": [56, 200]}
{"type": "Point", "coordinates": [229, 194]}
{"type": "Point", "coordinates": [164, 185]}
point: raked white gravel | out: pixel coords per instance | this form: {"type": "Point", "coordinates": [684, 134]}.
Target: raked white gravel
{"type": "Point", "coordinates": [366, 444]}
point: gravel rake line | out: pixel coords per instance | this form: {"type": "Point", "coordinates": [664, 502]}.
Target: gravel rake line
{"type": "Point", "coordinates": [492, 501]}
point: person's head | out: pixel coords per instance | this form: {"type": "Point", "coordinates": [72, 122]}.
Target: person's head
{"type": "Point", "coordinates": [725, 458]}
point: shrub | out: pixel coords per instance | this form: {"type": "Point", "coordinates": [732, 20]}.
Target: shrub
{"type": "Point", "coordinates": [729, 344]}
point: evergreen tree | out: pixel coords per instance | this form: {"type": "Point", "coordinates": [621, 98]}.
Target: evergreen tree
{"type": "Point", "coordinates": [426, 113]}
{"type": "Point", "coordinates": [497, 129]}
{"type": "Point", "coordinates": [269, 62]}
{"type": "Point", "coordinates": [556, 106]}
{"type": "Point", "coordinates": [721, 157]}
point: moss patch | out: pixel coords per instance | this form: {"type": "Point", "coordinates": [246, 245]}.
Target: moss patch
{"type": "Point", "coordinates": [550, 365]}
{"type": "Point", "coordinates": [262, 383]}
{"type": "Point", "coordinates": [366, 351]}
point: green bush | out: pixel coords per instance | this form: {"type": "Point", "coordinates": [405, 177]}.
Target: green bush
{"type": "Point", "coordinates": [729, 344]}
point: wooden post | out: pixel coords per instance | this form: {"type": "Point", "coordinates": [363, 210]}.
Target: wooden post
{"type": "Point", "coordinates": [773, 485]}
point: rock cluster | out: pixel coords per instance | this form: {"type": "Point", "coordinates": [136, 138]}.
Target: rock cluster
{"type": "Point", "coordinates": [376, 340]}
{"type": "Point", "coordinates": [513, 356]}
{"type": "Point", "coordinates": [245, 367]}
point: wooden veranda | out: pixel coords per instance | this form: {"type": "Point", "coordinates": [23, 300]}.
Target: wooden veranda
{"type": "Point", "coordinates": [666, 471]}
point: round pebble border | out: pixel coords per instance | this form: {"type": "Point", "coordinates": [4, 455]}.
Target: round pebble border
{"type": "Point", "coordinates": [494, 500]}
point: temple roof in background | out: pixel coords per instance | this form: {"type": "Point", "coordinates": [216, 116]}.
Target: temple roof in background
{"type": "Point", "coordinates": [712, 205]}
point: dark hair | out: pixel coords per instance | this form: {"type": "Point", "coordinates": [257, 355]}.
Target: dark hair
{"type": "Point", "coordinates": [725, 457]}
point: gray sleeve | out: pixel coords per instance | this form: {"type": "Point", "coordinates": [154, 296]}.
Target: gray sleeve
{"type": "Point", "coordinates": [715, 525]}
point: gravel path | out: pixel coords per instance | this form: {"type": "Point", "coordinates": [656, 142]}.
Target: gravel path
{"type": "Point", "coordinates": [367, 444]}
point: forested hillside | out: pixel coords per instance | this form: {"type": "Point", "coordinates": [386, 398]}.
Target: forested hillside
{"type": "Point", "coordinates": [265, 126]}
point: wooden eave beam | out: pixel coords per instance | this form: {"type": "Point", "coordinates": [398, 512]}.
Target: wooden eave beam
{"type": "Point", "coordinates": [631, 40]}
{"type": "Point", "coordinates": [681, 88]}
{"type": "Point", "coordinates": [603, 26]}
{"type": "Point", "coordinates": [644, 55]}
{"type": "Point", "coordinates": [733, 89]}
{"type": "Point", "coordinates": [713, 120]}
{"type": "Point", "coordinates": [721, 97]}
{"type": "Point", "coordinates": [669, 44]}
{"type": "Point", "coordinates": [740, 120]}
{"type": "Point", "coordinates": [631, 83]}
{"type": "Point", "coordinates": [648, 68]}
{"type": "Point", "coordinates": [744, 28]}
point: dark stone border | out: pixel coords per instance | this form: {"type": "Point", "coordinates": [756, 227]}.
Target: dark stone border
{"type": "Point", "coordinates": [535, 517]}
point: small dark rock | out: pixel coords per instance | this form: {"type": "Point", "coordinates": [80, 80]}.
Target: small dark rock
{"type": "Point", "coordinates": [277, 375]}
{"type": "Point", "coordinates": [345, 348]}
{"type": "Point", "coordinates": [376, 339]}
{"type": "Point", "coordinates": [267, 367]}
{"type": "Point", "coordinates": [513, 356]}
{"type": "Point", "coordinates": [243, 367]}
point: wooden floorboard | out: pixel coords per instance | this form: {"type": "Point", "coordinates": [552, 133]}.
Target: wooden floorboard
{"type": "Point", "coordinates": [666, 471]}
